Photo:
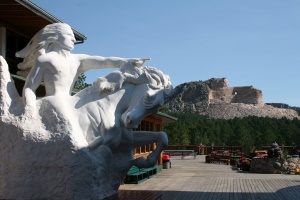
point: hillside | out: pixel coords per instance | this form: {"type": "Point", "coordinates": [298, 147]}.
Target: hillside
{"type": "Point", "coordinates": [216, 99]}
{"type": "Point", "coordinates": [283, 105]}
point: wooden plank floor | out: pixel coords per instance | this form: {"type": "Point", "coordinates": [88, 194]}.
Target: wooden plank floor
{"type": "Point", "coordinates": [194, 179]}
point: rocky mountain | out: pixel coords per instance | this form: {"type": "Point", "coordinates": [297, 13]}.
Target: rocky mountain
{"type": "Point", "coordinates": [216, 99]}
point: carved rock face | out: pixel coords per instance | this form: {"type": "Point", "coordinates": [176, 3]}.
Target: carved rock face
{"type": "Point", "coordinates": [215, 99]}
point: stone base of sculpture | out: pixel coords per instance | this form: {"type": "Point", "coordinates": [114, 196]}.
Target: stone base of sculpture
{"type": "Point", "coordinates": [37, 164]}
{"type": "Point", "coordinates": [53, 169]}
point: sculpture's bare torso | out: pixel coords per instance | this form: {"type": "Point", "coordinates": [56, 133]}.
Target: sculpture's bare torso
{"type": "Point", "coordinates": [59, 73]}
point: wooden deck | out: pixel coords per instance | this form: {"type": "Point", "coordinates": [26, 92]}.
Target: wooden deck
{"type": "Point", "coordinates": [194, 179]}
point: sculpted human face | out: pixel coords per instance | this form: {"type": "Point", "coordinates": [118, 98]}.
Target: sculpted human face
{"type": "Point", "coordinates": [66, 38]}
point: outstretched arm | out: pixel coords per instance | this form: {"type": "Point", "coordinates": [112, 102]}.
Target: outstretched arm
{"type": "Point", "coordinates": [98, 62]}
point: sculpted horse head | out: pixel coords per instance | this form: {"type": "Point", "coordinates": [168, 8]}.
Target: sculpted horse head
{"type": "Point", "coordinates": [120, 101]}
{"type": "Point", "coordinates": [147, 98]}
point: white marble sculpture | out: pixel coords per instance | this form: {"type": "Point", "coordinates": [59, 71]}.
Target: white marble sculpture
{"type": "Point", "coordinates": [74, 147]}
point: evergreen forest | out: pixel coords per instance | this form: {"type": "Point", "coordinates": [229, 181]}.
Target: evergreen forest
{"type": "Point", "coordinates": [249, 132]}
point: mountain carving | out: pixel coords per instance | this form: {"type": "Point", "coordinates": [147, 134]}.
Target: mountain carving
{"type": "Point", "coordinates": [216, 99]}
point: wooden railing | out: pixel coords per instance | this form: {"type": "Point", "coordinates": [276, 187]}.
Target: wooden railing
{"type": "Point", "coordinates": [204, 149]}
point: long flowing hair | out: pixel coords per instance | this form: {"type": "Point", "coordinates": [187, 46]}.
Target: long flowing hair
{"type": "Point", "coordinates": [39, 44]}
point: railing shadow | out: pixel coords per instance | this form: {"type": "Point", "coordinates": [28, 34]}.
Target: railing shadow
{"type": "Point", "coordinates": [289, 193]}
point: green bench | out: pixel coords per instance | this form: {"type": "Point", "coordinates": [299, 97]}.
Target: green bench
{"type": "Point", "coordinates": [183, 152]}
{"type": "Point", "coordinates": [150, 171]}
{"type": "Point", "coordinates": [137, 175]}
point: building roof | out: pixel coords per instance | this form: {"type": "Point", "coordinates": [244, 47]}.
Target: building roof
{"type": "Point", "coordinates": [165, 118]}
{"type": "Point", "coordinates": [26, 18]}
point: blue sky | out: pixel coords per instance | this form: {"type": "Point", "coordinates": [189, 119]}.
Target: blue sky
{"type": "Point", "coordinates": [250, 42]}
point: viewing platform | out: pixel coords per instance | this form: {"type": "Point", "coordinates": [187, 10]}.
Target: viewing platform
{"type": "Point", "coordinates": [193, 179]}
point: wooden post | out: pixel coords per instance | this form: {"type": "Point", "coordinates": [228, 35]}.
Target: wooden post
{"type": "Point", "coordinates": [3, 42]}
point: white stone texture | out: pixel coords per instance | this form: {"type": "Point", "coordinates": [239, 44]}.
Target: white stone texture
{"type": "Point", "coordinates": [78, 147]}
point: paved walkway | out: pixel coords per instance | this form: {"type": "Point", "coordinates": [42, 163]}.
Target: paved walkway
{"type": "Point", "coordinates": [194, 179]}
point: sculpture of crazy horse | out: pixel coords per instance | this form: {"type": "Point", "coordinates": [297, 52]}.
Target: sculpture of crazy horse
{"type": "Point", "coordinates": [43, 156]}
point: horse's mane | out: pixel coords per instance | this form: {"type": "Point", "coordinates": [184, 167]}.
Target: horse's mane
{"type": "Point", "coordinates": [109, 83]}
{"type": "Point", "coordinates": [115, 80]}
{"type": "Point", "coordinates": [159, 79]}
{"type": "Point", "coordinates": [160, 82]}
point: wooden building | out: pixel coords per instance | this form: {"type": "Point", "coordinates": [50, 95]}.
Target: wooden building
{"type": "Point", "coordinates": [152, 122]}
